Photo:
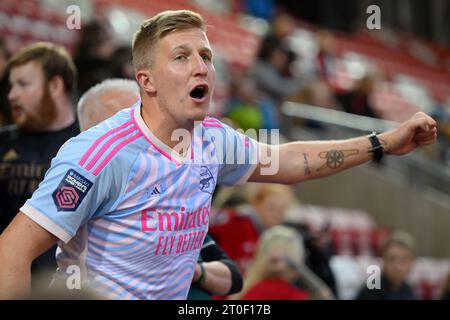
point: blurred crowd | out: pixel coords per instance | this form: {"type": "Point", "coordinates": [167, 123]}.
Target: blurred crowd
{"type": "Point", "coordinates": [277, 259]}
{"type": "Point", "coordinates": [254, 93]}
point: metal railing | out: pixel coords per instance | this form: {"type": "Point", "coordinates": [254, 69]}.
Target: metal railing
{"type": "Point", "coordinates": [335, 117]}
{"type": "Point", "coordinates": [428, 172]}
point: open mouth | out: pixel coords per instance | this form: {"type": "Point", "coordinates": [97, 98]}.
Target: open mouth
{"type": "Point", "coordinates": [199, 92]}
{"type": "Point", "coordinates": [16, 109]}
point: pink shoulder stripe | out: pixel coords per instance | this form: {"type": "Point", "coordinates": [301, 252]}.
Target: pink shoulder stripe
{"type": "Point", "coordinates": [107, 144]}
{"type": "Point", "coordinates": [99, 140]}
{"type": "Point", "coordinates": [114, 151]}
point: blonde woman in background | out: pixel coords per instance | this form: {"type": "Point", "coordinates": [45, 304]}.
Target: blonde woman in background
{"type": "Point", "coordinates": [279, 260]}
{"type": "Point", "coordinates": [237, 228]}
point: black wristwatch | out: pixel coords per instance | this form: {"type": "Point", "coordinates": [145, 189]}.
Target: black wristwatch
{"type": "Point", "coordinates": [377, 148]}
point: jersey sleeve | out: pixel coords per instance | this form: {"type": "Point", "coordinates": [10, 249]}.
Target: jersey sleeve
{"type": "Point", "coordinates": [70, 194]}
{"type": "Point", "coordinates": [236, 153]}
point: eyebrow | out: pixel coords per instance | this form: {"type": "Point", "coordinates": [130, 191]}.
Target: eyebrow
{"type": "Point", "coordinates": [185, 47]}
{"type": "Point", "coordinates": [16, 79]}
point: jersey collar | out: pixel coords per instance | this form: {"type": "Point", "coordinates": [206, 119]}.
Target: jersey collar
{"type": "Point", "coordinates": [160, 146]}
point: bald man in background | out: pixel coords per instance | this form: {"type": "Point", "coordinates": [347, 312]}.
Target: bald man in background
{"type": "Point", "coordinates": [104, 100]}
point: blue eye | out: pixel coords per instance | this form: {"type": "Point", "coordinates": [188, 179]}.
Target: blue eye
{"type": "Point", "coordinates": [206, 57]}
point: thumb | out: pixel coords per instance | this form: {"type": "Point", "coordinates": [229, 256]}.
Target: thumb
{"type": "Point", "coordinates": [420, 123]}
{"type": "Point", "coordinates": [425, 126]}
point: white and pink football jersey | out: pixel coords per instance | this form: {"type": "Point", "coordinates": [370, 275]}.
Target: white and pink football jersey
{"type": "Point", "coordinates": [131, 213]}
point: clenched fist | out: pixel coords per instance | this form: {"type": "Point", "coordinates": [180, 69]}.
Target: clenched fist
{"type": "Point", "coordinates": [419, 130]}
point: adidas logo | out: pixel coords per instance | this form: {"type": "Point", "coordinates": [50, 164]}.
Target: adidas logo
{"type": "Point", "coordinates": [156, 191]}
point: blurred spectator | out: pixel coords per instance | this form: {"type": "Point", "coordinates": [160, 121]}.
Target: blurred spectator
{"type": "Point", "coordinates": [93, 55]}
{"type": "Point", "coordinates": [319, 250]}
{"type": "Point", "coordinates": [269, 277]}
{"type": "Point", "coordinates": [271, 72]}
{"type": "Point", "coordinates": [282, 26]}
{"type": "Point", "coordinates": [278, 261]}
{"type": "Point", "coordinates": [397, 252]}
{"type": "Point", "coordinates": [357, 101]}
{"type": "Point", "coordinates": [238, 226]}
{"type": "Point", "coordinates": [272, 76]}
{"type": "Point", "coordinates": [247, 108]}
{"type": "Point", "coordinates": [5, 111]}
{"type": "Point", "coordinates": [316, 93]}
{"type": "Point", "coordinates": [325, 59]}
{"type": "Point", "coordinates": [121, 66]}
{"type": "Point", "coordinates": [242, 106]}
{"type": "Point", "coordinates": [446, 290]}
{"type": "Point", "coordinates": [42, 77]}
{"type": "Point", "coordinates": [237, 229]}
{"type": "Point", "coordinates": [105, 99]}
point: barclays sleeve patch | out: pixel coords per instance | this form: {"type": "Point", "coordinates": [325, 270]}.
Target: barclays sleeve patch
{"type": "Point", "coordinates": [71, 191]}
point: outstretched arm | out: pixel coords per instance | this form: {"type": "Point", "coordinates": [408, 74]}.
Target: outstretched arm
{"type": "Point", "coordinates": [20, 244]}
{"type": "Point", "coordinates": [300, 161]}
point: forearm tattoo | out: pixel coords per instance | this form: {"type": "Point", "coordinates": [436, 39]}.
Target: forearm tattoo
{"type": "Point", "coordinates": [307, 170]}
{"type": "Point", "coordinates": [335, 158]}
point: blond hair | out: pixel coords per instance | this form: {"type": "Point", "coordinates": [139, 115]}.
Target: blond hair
{"type": "Point", "coordinates": [155, 28]}
{"type": "Point", "coordinates": [261, 191]}
{"type": "Point", "coordinates": [278, 239]}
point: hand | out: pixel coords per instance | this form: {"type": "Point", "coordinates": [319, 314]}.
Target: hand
{"type": "Point", "coordinates": [197, 273]}
{"type": "Point", "coordinates": [419, 130]}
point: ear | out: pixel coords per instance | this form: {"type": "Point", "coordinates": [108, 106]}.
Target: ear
{"type": "Point", "coordinates": [145, 79]}
{"type": "Point", "coordinates": [56, 86]}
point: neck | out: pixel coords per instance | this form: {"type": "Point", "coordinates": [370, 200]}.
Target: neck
{"type": "Point", "coordinates": [65, 116]}
{"type": "Point", "coordinates": [161, 124]}
{"type": "Point", "coordinates": [393, 285]}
